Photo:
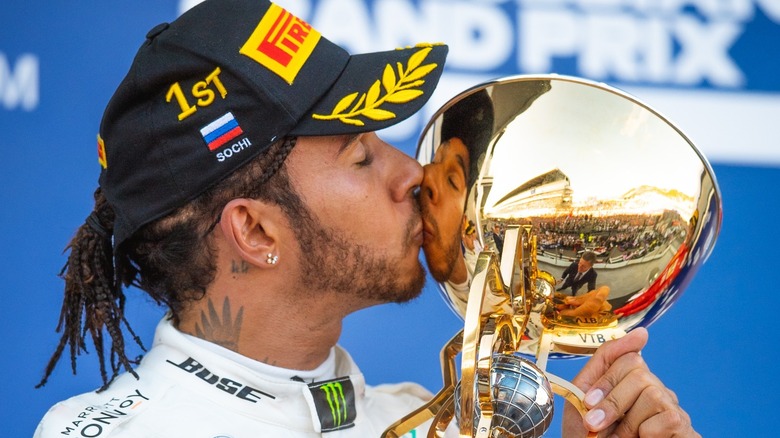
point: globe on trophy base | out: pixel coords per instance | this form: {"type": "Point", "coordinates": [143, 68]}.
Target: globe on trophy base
{"type": "Point", "coordinates": [522, 398]}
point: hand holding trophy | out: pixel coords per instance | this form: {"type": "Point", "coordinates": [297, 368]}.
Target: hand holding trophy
{"type": "Point", "coordinates": [559, 214]}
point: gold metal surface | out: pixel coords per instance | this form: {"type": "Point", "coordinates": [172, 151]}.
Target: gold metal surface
{"type": "Point", "coordinates": [440, 407]}
{"type": "Point", "coordinates": [568, 213]}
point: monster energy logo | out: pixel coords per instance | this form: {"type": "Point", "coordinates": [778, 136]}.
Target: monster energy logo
{"type": "Point", "coordinates": [334, 392]}
{"type": "Point", "coordinates": [335, 402]}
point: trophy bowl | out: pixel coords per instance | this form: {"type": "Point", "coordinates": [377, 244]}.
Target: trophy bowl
{"type": "Point", "coordinates": [559, 213]}
{"type": "Point", "coordinates": [594, 173]}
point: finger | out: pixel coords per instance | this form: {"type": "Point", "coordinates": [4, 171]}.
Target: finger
{"type": "Point", "coordinates": [617, 391]}
{"type": "Point", "coordinates": [669, 421]}
{"type": "Point", "coordinates": [622, 383]}
{"type": "Point", "coordinates": [653, 402]}
{"type": "Point", "coordinates": [607, 354]}
{"type": "Point", "coordinates": [639, 396]}
{"type": "Point", "coordinates": [572, 424]}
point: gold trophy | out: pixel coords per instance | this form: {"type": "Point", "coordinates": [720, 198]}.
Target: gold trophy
{"type": "Point", "coordinates": [559, 213]}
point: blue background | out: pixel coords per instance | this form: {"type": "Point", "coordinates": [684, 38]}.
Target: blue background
{"type": "Point", "coordinates": [715, 347]}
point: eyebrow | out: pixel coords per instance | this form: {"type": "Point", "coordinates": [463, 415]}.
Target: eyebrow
{"type": "Point", "coordinates": [347, 143]}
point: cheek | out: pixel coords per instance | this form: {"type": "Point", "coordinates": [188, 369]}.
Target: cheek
{"type": "Point", "coordinates": [360, 212]}
{"type": "Point", "coordinates": [452, 233]}
{"type": "Point", "coordinates": [334, 197]}
{"type": "Point", "coordinates": [454, 206]}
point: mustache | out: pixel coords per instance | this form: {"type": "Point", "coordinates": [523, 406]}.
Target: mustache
{"type": "Point", "coordinates": [417, 208]}
{"type": "Point", "coordinates": [424, 213]}
{"type": "Point", "coordinates": [414, 222]}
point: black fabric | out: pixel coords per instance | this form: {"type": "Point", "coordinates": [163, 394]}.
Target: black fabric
{"type": "Point", "coordinates": [571, 280]}
{"type": "Point", "coordinates": [204, 67]}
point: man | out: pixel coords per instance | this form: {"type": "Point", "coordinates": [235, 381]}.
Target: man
{"type": "Point", "coordinates": [580, 273]}
{"type": "Point", "coordinates": [442, 197]}
{"type": "Point", "coordinates": [498, 238]}
{"type": "Point", "coordinates": [466, 128]}
{"type": "Point", "coordinates": [243, 187]}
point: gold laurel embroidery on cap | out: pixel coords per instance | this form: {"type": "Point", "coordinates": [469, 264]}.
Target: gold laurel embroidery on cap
{"type": "Point", "coordinates": [398, 89]}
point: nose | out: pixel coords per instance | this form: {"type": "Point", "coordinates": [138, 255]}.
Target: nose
{"type": "Point", "coordinates": [429, 189]}
{"type": "Point", "coordinates": [407, 174]}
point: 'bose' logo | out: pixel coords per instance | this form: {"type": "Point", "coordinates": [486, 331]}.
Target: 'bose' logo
{"type": "Point", "coordinates": [240, 390]}
{"type": "Point", "coordinates": [19, 83]}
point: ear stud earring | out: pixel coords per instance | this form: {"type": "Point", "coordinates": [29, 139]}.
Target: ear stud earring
{"type": "Point", "coordinates": [271, 259]}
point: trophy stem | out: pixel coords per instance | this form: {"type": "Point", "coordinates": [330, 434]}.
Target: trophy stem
{"type": "Point", "coordinates": [543, 350]}
{"type": "Point", "coordinates": [437, 408]}
{"type": "Point", "coordinates": [571, 393]}
{"type": "Point", "coordinates": [440, 406]}
{"type": "Point", "coordinates": [477, 344]}
{"type": "Point", "coordinates": [443, 418]}
{"type": "Point", "coordinates": [567, 390]}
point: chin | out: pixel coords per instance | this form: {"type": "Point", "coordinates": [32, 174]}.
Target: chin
{"type": "Point", "coordinates": [437, 268]}
{"type": "Point", "coordinates": [410, 288]}
{"type": "Point", "coordinates": [439, 273]}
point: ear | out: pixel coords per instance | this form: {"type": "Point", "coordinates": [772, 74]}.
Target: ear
{"type": "Point", "coordinates": [251, 230]}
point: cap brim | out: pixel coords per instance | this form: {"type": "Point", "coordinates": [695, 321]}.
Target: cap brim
{"type": "Point", "coordinates": [376, 90]}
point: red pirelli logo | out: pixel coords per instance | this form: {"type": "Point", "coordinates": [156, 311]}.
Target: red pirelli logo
{"type": "Point", "coordinates": [101, 150]}
{"type": "Point", "coordinates": [281, 42]}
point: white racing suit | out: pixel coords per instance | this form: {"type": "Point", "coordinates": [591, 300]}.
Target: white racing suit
{"type": "Point", "coordinates": [189, 391]}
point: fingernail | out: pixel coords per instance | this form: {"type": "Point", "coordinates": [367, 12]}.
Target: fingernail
{"type": "Point", "coordinates": [595, 417]}
{"type": "Point", "coordinates": [593, 397]}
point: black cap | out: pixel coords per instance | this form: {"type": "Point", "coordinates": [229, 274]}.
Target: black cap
{"type": "Point", "coordinates": [210, 91]}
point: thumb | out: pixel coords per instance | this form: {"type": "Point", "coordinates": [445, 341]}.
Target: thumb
{"type": "Point", "coordinates": [607, 354]}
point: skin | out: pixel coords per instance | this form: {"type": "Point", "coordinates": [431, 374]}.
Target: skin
{"type": "Point", "coordinates": [583, 265]}
{"type": "Point", "coordinates": [588, 304]}
{"type": "Point", "coordinates": [442, 199]}
{"type": "Point", "coordinates": [623, 397]}
{"type": "Point", "coordinates": [359, 191]}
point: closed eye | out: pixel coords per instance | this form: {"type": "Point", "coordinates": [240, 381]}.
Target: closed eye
{"type": "Point", "coordinates": [369, 158]}
{"type": "Point", "coordinates": [452, 182]}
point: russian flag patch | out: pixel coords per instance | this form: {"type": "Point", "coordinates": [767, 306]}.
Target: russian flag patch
{"type": "Point", "coordinates": [221, 131]}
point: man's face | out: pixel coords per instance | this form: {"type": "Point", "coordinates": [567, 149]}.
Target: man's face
{"type": "Point", "coordinates": [363, 231]}
{"type": "Point", "coordinates": [583, 265]}
{"type": "Point", "coordinates": [442, 199]}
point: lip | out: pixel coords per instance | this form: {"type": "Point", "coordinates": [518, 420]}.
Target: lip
{"type": "Point", "coordinates": [418, 236]}
{"type": "Point", "coordinates": [427, 232]}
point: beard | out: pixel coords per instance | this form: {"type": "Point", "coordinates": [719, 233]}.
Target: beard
{"type": "Point", "coordinates": [331, 261]}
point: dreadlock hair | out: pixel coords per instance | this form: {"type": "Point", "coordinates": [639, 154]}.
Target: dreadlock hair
{"type": "Point", "coordinates": [172, 259]}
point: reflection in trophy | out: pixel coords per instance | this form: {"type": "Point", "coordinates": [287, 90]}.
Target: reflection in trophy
{"type": "Point", "coordinates": [589, 305]}
{"type": "Point", "coordinates": [559, 214]}
{"type": "Point", "coordinates": [442, 195]}
{"type": "Point", "coordinates": [446, 181]}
